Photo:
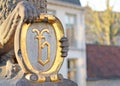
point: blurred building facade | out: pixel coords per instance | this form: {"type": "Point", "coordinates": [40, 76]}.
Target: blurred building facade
{"type": "Point", "coordinates": [71, 15]}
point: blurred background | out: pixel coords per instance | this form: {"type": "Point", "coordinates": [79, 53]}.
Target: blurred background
{"type": "Point", "coordinates": [93, 30]}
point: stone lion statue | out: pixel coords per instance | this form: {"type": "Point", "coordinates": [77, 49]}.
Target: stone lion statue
{"type": "Point", "coordinates": [13, 13]}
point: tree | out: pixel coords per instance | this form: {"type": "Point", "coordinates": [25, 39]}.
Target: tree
{"type": "Point", "coordinates": [103, 26]}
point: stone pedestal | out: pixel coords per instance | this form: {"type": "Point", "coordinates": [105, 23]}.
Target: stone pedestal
{"type": "Point", "coordinates": [24, 82]}
{"type": "Point", "coordinates": [19, 80]}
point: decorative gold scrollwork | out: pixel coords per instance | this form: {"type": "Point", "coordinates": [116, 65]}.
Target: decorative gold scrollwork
{"type": "Point", "coordinates": [42, 46]}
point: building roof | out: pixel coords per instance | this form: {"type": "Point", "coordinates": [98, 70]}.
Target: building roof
{"type": "Point", "coordinates": [103, 62]}
{"type": "Point", "coordinates": [76, 2]}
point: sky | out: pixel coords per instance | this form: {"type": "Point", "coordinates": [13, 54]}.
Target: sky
{"type": "Point", "coordinates": [101, 4]}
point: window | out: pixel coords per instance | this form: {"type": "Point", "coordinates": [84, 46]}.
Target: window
{"type": "Point", "coordinates": [70, 29]}
{"type": "Point", "coordinates": [72, 69]}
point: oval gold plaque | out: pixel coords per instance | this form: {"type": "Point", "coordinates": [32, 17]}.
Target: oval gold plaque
{"type": "Point", "coordinates": [40, 46]}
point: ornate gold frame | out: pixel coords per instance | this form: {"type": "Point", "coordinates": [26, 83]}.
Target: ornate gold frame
{"type": "Point", "coordinates": [20, 44]}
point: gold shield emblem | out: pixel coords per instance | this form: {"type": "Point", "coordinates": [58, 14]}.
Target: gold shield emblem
{"type": "Point", "coordinates": [37, 48]}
